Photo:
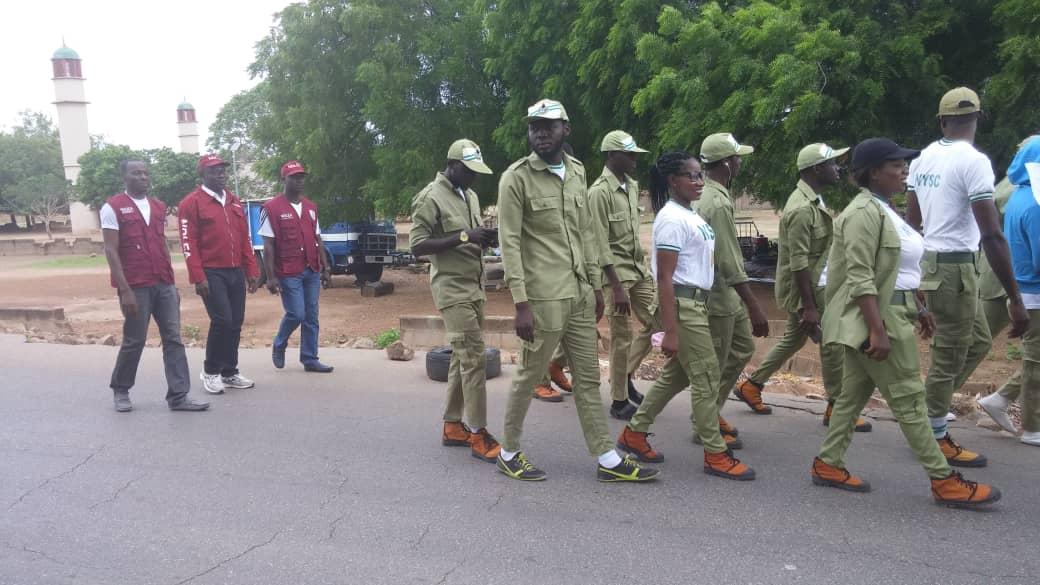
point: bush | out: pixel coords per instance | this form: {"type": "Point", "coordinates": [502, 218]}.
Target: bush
{"type": "Point", "coordinates": [387, 337]}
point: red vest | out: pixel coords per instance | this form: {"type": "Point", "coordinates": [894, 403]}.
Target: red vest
{"type": "Point", "coordinates": [295, 244]}
{"type": "Point", "coordinates": [142, 247]}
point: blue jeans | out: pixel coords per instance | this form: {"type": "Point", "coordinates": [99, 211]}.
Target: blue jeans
{"type": "Point", "coordinates": [300, 300]}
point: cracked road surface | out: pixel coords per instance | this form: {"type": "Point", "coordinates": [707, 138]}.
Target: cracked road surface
{"type": "Point", "coordinates": [341, 479]}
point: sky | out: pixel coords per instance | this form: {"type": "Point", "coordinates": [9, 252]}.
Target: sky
{"type": "Point", "coordinates": [140, 61]}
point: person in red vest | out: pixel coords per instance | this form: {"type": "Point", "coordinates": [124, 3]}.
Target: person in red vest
{"type": "Point", "coordinates": [294, 257]}
{"type": "Point", "coordinates": [219, 255]}
{"type": "Point", "coordinates": [139, 262]}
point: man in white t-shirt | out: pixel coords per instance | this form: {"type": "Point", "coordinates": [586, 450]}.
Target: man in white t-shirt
{"type": "Point", "coordinates": [950, 196]}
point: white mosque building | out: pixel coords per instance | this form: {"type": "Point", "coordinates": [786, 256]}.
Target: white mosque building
{"type": "Point", "coordinates": [71, 102]}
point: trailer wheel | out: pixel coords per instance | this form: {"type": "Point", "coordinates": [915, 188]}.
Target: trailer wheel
{"type": "Point", "coordinates": [438, 361]}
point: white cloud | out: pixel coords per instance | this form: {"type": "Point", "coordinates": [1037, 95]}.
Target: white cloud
{"type": "Point", "coordinates": [140, 60]}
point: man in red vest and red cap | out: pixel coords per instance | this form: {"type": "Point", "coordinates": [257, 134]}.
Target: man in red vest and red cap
{"type": "Point", "coordinates": [294, 257]}
{"type": "Point", "coordinates": [139, 262]}
{"type": "Point", "coordinates": [219, 255]}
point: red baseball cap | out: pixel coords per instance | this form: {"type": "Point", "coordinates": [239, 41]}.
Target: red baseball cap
{"type": "Point", "coordinates": [292, 167]}
{"type": "Point", "coordinates": [211, 160]}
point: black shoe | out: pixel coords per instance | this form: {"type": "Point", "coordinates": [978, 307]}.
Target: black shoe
{"type": "Point", "coordinates": [623, 411]}
{"type": "Point", "coordinates": [627, 470]}
{"type": "Point", "coordinates": [190, 405]}
{"type": "Point", "coordinates": [278, 357]}
{"type": "Point", "coordinates": [122, 402]}
{"type": "Point", "coordinates": [634, 395]}
{"type": "Point", "coordinates": [519, 468]}
{"type": "Point", "coordinates": [317, 367]}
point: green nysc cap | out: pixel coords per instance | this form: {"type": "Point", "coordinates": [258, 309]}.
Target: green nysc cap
{"type": "Point", "coordinates": [959, 101]}
{"type": "Point", "coordinates": [547, 110]}
{"type": "Point", "coordinates": [814, 154]}
{"type": "Point", "coordinates": [468, 153]}
{"type": "Point", "coordinates": [722, 145]}
{"type": "Point", "coordinates": [619, 140]}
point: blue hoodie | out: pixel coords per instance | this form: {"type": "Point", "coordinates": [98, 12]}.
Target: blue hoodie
{"type": "Point", "coordinates": [1022, 218]}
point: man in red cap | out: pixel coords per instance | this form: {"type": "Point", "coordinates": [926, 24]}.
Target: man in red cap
{"type": "Point", "coordinates": [294, 257]}
{"type": "Point", "coordinates": [219, 255]}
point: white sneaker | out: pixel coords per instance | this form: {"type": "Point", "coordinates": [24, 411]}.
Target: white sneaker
{"type": "Point", "coordinates": [1031, 439]}
{"type": "Point", "coordinates": [996, 407]}
{"type": "Point", "coordinates": [237, 381]}
{"type": "Point", "coordinates": [950, 417]}
{"type": "Point", "coordinates": [212, 383]}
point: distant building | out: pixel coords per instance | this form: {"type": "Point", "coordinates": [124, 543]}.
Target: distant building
{"type": "Point", "coordinates": [70, 99]}
{"type": "Point", "coordinates": [187, 128]}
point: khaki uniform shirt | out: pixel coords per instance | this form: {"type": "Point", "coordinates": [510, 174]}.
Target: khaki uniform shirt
{"type": "Point", "coordinates": [864, 260]}
{"type": "Point", "coordinates": [616, 214]}
{"type": "Point", "coordinates": [716, 207]}
{"type": "Point", "coordinates": [806, 230]}
{"type": "Point", "coordinates": [545, 231]}
{"type": "Point", "coordinates": [989, 285]}
{"type": "Point", "coordinates": [438, 210]}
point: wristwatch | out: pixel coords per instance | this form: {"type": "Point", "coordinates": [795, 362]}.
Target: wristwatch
{"type": "Point", "coordinates": [463, 237]}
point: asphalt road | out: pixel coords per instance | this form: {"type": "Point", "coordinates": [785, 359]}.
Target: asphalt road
{"type": "Point", "coordinates": [312, 479]}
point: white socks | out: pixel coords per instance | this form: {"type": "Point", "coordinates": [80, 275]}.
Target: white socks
{"type": "Point", "coordinates": [507, 455]}
{"type": "Point", "coordinates": [610, 459]}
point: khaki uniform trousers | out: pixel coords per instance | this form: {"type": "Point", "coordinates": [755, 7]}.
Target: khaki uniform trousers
{"type": "Point", "coordinates": [628, 351]}
{"type": "Point", "coordinates": [464, 324]}
{"type": "Point", "coordinates": [1030, 379]}
{"type": "Point", "coordinates": [898, 379]}
{"type": "Point", "coordinates": [997, 318]}
{"type": "Point", "coordinates": [695, 367]}
{"type": "Point", "coordinates": [734, 346]}
{"type": "Point", "coordinates": [962, 338]}
{"type": "Point", "coordinates": [572, 324]}
{"type": "Point", "coordinates": [793, 340]}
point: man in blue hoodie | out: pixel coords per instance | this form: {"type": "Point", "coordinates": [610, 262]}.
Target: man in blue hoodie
{"type": "Point", "coordinates": [1022, 226]}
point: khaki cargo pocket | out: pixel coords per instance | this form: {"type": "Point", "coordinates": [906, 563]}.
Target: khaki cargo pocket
{"type": "Point", "coordinates": [453, 224]}
{"type": "Point", "coordinates": [819, 239]}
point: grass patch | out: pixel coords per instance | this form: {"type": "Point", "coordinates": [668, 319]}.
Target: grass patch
{"type": "Point", "coordinates": [73, 262]}
{"type": "Point", "coordinates": [387, 337]}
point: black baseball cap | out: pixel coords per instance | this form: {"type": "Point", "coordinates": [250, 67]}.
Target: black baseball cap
{"type": "Point", "coordinates": [874, 151]}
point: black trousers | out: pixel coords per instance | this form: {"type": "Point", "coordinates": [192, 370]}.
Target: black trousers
{"type": "Point", "coordinates": [162, 303]}
{"type": "Point", "coordinates": [226, 305]}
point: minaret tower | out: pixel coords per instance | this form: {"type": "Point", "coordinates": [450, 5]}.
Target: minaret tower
{"type": "Point", "coordinates": [71, 101]}
{"type": "Point", "coordinates": [187, 128]}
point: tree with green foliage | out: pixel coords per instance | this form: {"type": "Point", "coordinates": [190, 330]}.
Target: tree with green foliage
{"type": "Point", "coordinates": [1013, 94]}
{"type": "Point", "coordinates": [32, 179]}
{"type": "Point", "coordinates": [173, 174]}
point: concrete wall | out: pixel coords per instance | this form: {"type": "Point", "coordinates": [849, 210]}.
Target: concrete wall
{"type": "Point", "coordinates": [427, 332]}
{"type": "Point", "coordinates": [84, 220]}
{"type": "Point", "coordinates": [63, 246]}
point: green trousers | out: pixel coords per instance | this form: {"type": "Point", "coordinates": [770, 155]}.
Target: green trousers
{"type": "Point", "coordinates": [997, 318]}
{"type": "Point", "coordinates": [793, 340]}
{"type": "Point", "coordinates": [898, 379]}
{"type": "Point", "coordinates": [572, 324]}
{"type": "Point", "coordinates": [695, 367]}
{"type": "Point", "coordinates": [464, 324]}
{"type": "Point", "coordinates": [628, 351]}
{"type": "Point", "coordinates": [1030, 388]}
{"type": "Point", "coordinates": [962, 338]}
{"type": "Point", "coordinates": [734, 346]}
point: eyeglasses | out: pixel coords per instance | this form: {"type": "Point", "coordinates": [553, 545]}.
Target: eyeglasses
{"type": "Point", "coordinates": [698, 176]}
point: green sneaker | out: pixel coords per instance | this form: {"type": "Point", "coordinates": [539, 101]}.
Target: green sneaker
{"type": "Point", "coordinates": [627, 470]}
{"type": "Point", "coordinates": [519, 468]}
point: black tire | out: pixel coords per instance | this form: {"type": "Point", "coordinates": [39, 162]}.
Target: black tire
{"type": "Point", "coordinates": [368, 273]}
{"type": "Point", "coordinates": [438, 360]}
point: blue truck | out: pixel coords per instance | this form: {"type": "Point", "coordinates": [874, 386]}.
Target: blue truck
{"type": "Point", "coordinates": [360, 248]}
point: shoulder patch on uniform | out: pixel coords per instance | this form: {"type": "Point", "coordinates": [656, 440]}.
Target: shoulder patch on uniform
{"type": "Point", "coordinates": [518, 164]}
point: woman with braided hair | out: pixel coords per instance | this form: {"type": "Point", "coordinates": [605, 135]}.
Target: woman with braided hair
{"type": "Point", "coordinates": [683, 265]}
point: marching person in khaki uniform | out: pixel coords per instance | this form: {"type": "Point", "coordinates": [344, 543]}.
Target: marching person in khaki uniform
{"type": "Point", "coordinates": [874, 270]}
{"type": "Point", "coordinates": [683, 245]}
{"type": "Point", "coordinates": [1022, 226]}
{"type": "Point", "coordinates": [447, 227]}
{"type": "Point", "coordinates": [614, 198]}
{"type": "Point", "coordinates": [801, 271]}
{"type": "Point", "coordinates": [994, 307]}
{"type": "Point", "coordinates": [552, 269]}
{"type": "Point", "coordinates": [733, 312]}
{"type": "Point", "coordinates": [950, 195]}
